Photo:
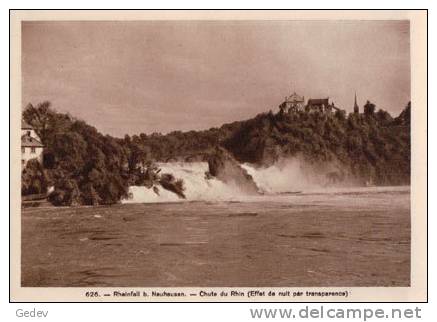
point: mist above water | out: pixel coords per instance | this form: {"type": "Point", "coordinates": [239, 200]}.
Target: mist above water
{"type": "Point", "coordinates": [197, 186]}
{"type": "Point", "coordinates": [287, 178]}
{"type": "Point", "coordinates": [288, 175]}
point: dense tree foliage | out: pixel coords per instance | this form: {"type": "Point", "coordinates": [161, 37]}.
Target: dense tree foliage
{"type": "Point", "coordinates": [89, 168]}
{"type": "Point", "coordinates": [371, 147]}
{"type": "Point", "coordinates": [33, 178]}
{"type": "Point", "coordinates": [85, 166]}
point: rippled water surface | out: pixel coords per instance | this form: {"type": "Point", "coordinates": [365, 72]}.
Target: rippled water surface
{"type": "Point", "coordinates": [337, 237]}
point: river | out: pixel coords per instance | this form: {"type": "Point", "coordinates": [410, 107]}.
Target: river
{"type": "Point", "coordinates": [319, 237]}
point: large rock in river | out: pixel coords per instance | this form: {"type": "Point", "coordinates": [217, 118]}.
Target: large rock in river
{"type": "Point", "coordinates": [224, 167]}
{"type": "Point", "coordinates": [169, 182]}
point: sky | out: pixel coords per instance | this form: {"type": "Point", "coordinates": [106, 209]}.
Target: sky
{"type": "Point", "coordinates": [136, 77]}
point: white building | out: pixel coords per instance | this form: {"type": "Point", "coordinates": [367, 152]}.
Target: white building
{"type": "Point", "coordinates": [31, 147]}
{"type": "Point", "coordinates": [292, 103]}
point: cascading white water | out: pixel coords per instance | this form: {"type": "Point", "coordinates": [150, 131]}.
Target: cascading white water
{"type": "Point", "coordinates": [277, 181]}
{"type": "Point", "coordinates": [288, 175]}
{"type": "Point", "coordinates": [197, 186]}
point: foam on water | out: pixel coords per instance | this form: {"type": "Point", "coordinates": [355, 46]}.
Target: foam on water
{"type": "Point", "coordinates": [279, 183]}
{"type": "Point", "coordinates": [288, 176]}
{"type": "Point", "coordinates": [197, 186]}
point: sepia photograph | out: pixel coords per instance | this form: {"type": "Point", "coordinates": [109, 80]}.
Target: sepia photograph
{"type": "Point", "coordinates": [220, 158]}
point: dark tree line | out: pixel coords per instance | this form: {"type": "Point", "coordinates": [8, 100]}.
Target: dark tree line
{"type": "Point", "coordinates": [84, 166]}
{"type": "Point", "coordinates": [371, 146]}
{"type": "Point", "coordinates": [87, 167]}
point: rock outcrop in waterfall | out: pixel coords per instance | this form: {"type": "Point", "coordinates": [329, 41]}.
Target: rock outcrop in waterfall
{"type": "Point", "coordinates": [225, 168]}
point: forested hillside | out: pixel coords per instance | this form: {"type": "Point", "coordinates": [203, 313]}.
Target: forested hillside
{"type": "Point", "coordinates": [87, 167]}
{"type": "Point", "coordinates": [372, 147]}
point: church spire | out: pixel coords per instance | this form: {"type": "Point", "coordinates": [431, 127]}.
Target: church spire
{"type": "Point", "coordinates": [356, 108]}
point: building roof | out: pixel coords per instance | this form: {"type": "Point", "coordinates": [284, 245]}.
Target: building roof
{"type": "Point", "coordinates": [28, 141]}
{"type": "Point", "coordinates": [294, 98]}
{"type": "Point", "coordinates": [318, 101]}
{"type": "Point", "coordinates": [25, 125]}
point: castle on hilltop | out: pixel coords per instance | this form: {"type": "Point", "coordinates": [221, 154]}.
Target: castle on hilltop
{"type": "Point", "coordinates": [295, 103]}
